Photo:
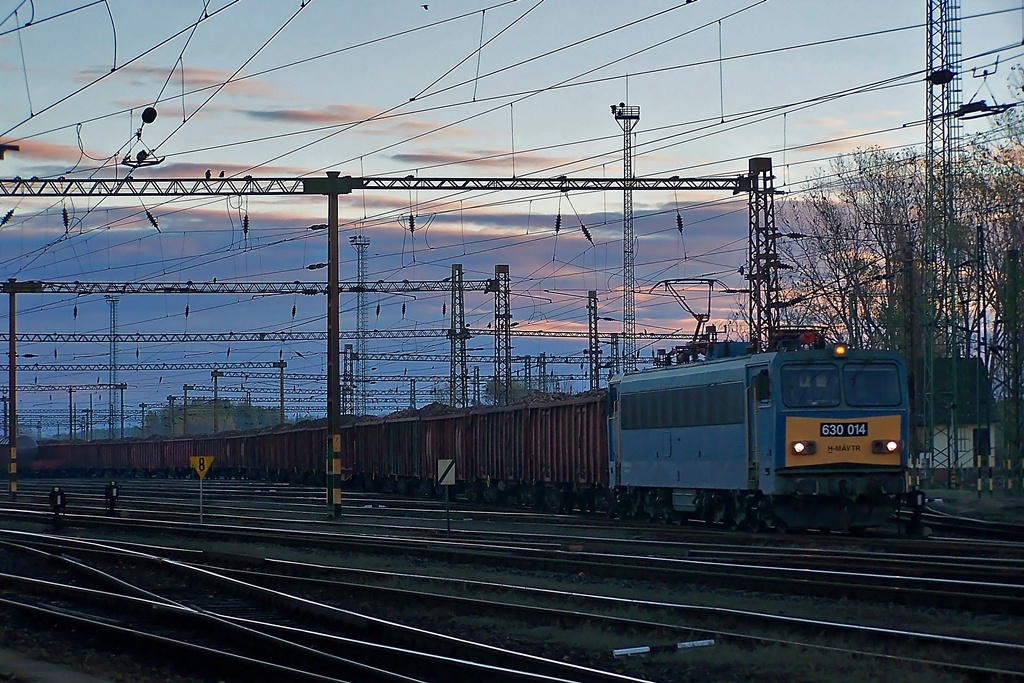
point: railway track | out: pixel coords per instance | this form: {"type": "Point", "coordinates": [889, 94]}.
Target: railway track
{"type": "Point", "coordinates": [980, 583]}
{"type": "Point", "coordinates": [289, 587]}
{"type": "Point", "coordinates": [249, 630]}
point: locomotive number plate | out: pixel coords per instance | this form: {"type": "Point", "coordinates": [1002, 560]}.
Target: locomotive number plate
{"type": "Point", "coordinates": [844, 429]}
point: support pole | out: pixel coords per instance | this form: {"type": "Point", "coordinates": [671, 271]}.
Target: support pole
{"type": "Point", "coordinates": [762, 258]}
{"type": "Point", "coordinates": [333, 345]}
{"type": "Point", "coordinates": [332, 186]}
{"type": "Point", "coordinates": [12, 391]}
{"type": "Point", "coordinates": [348, 381]}
{"type": "Point", "coordinates": [280, 365]}
{"type": "Point", "coordinates": [121, 387]}
{"type": "Point", "coordinates": [593, 349]}
{"type": "Point", "coordinates": [170, 416]}
{"type": "Point", "coordinates": [502, 334]}
{"type": "Point", "coordinates": [458, 334]}
{"type": "Point", "coordinates": [215, 375]}
{"type": "Point", "coordinates": [184, 409]}
{"type": "Point", "coordinates": [360, 244]}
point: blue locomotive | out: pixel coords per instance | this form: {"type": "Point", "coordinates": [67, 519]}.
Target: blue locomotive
{"type": "Point", "coordinates": [803, 437]}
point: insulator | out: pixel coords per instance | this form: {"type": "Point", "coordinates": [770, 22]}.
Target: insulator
{"type": "Point", "coordinates": [229, 352]}
{"type": "Point", "coordinates": [136, 354]}
{"type": "Point", "coordinates": [280, 353]}
{"type": "Point", "coordinates": [444, 309]}
{"type": "Point", "coordinates": [186, 311]}
{"type": "Point", "coordinates": [403, 310]}
{"type": "Point", "coordinates": [152, 219]}
{"type": "Point", "coordinates": [412, 223]}
{"type": "Point", "coordinates": [679, 223]}
{"type": "Point", "coordinates": [245, 224]}
{"type": "Point", "coordinates": [67, 219]}
{"type": "Point", "coordinates": [586, 233]}
{"type": "Point", "coordinates": [74, 313]}
{"type": "Point", "coordinates": [7, 217]}
{"type": "Point", "coordinates": [55, 353]}
{"type": "Point", "coordinates": [378, 310]}
{"type": "Point", "coordinates": [558, 223]}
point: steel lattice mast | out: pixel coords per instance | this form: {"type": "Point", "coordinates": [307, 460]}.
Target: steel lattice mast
{"type": "Point", "coordinates": [360, 244]}
{"type": "Point", "coordinates": [112, 373]}
{"type": "Point", "coordinates": [502, 334]}
{"type": "Point", "coordinates": [627, 118]}
{"type": "Point", "coordinates": [940, 236]}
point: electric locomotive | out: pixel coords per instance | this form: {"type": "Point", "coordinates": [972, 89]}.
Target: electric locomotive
{"type": "Point", "coordinates": [807, 436]}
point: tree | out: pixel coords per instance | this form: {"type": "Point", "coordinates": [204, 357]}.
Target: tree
{"type": "Point", "coordinates": [858, 223]}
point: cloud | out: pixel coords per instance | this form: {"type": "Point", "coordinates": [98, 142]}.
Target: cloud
{"type": "Point", "coordinates": [494, 160]}
{"type": "Point", "coordinates": [47, 151]}
{"type": "Point", "coordinates": [331, 115]}
{"type": "Point", "coordinates": [141, 76]}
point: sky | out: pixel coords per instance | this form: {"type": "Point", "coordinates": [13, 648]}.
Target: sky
{"type": "Point", "coordinates": [455, 88]}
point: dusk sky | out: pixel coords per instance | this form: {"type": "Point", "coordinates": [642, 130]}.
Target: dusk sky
{"type": "Point", "coordinates": [450, 88]}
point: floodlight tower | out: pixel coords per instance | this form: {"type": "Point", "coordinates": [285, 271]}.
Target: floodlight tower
{"type": "Point", "coordinates": [627, 118]}
{"type": "Point", "coordinates": [360, 244]}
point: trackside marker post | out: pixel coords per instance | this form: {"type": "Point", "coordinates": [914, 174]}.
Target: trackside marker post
{"type": "Point", "coordinates": [446, 478]}
{"type": "Point", "coordinates": [201, 464]}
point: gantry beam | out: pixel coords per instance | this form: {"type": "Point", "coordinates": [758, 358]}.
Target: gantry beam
{"type": "Point", "coordinates": [290, 336]}
{"type": "Point", "coordinates": [236, 369]}
{"type": "Point", "coordinates": [308, 288]}
{"type": "Point", "coordinates": [136, 367]}
{"type": "Point", "coordinates": [177, 187]}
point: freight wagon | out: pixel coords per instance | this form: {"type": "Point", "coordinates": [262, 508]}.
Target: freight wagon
{"type": "Point", "coordinates": [551, 454]}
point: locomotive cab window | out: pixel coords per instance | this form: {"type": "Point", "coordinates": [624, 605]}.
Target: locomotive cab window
{"type": "Point", "coordinates": [763, 386]}
{"type": "Point", "coordinates": [875, 384]}
{"type": "Point", "coordinates": [810, 386]}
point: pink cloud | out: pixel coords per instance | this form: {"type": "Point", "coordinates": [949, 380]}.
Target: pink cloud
{"type": "Point", "coordinates": [47, 151]}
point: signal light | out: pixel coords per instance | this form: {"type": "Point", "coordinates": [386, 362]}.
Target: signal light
{"type": "Point", "coordinates": [839, 350]}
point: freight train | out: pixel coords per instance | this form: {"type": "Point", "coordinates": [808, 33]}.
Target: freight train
{"type": "Point", "coordinates": [806, 436]}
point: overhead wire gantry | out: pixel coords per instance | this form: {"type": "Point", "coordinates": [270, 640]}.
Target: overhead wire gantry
{"type": "Point", "coordinates": [757, 183]}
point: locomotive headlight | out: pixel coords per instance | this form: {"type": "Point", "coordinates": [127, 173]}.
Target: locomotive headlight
{"type": "Point", "coordinates": [804, 447]}
{"type": "Point", "coordinates": [885, 446]}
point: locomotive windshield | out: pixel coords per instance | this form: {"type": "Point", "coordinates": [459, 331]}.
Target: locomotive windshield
{"type": "Point", "coordinates": [817, 385]}
{"type": "Point", "coordinates": [810, 386]}
{"type": "Point", "coordinates": [877, 384]}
